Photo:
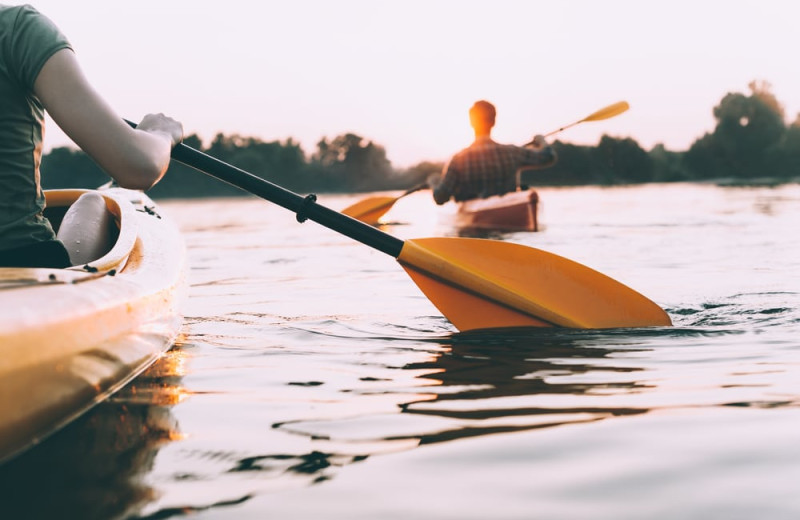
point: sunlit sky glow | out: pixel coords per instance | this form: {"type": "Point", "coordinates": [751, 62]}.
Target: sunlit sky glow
{"type": "Point", "coordinates": [404, 73]}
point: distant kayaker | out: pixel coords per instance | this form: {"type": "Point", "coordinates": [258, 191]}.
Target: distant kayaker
{"type": "Point", "coordinates": [38, 72]}
{"type": "Point", "coordinates": [488, 168]}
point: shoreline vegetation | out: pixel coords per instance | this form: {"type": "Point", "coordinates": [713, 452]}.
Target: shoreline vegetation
{"type": "Point", "coordinates": [751, 144]}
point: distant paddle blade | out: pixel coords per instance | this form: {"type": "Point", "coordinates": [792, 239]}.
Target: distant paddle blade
{"type": "Point", "coordinates": [479, 283]}
{"type": "Point", "coordinates": [609, 111]}
{"type": "Point", "coordinates": [370, 210]}
{"type": "Point", "coordinates": [604, 113]}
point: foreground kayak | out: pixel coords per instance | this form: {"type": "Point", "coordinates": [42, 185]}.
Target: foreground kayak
{"type": "Point", "coordinates": [71, 337]}
{"type": "Point", "coordinates": [514, 211]}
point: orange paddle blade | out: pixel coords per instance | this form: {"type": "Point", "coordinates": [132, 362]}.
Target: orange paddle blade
{"type": "Point", "coordinates": [370, 210]}
{"type": "Point", "coordinates": [479, 283]}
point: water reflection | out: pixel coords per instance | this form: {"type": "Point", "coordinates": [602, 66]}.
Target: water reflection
{"type": "Point", "coordinates": [93, 468]}
{"type": "Point", "coordinates": [483, 383]}
{"type": "Point", "coordinates": [490, 382]}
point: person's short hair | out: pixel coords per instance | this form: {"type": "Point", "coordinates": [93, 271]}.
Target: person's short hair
{"type": "Point", "coordinates": [483, 111]}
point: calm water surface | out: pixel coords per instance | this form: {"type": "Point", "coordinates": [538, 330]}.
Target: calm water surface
{"type": "Point", "coordinates": [314, 380]}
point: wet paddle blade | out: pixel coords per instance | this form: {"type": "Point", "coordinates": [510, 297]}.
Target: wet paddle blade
{"type": "Point", "coordinates": [480, 284]}
{"type": "Point", "coordinates": [370, 210]}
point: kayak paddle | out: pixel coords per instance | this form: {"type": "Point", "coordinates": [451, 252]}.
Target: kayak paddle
{"type": "Point", "coordinates": [371, 209]}
{"type": "Point", "coordinates": [604, 113]}
{"type": "Point", "coordinates": [475, 283]}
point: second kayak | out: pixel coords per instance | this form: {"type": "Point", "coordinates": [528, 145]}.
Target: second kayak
{"type": "Point", "coordinates": [514, 211]}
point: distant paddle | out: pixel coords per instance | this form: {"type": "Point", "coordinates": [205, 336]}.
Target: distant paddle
{"type": "Point", "coordinates": [371, 209]}
{"type": "Point", "coordinates": [604, 113]}
{"type": "Point", "coordinates": [475, 283]}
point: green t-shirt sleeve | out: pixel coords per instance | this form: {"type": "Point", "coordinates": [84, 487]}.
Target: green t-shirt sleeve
{"type": "Point", "coordinates": [36, 39]}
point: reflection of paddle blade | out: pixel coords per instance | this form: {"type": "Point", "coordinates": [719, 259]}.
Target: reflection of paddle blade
{"type": "Point", "coordinates": [486, 284]}
{"type": "Point", "coordinates": [370, 210]}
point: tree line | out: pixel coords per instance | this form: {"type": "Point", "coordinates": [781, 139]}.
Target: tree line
{"type": "Point", "coordinates": [750, 142]}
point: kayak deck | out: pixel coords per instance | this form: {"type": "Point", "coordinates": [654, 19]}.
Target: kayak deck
{"type": "Point", "coordinates": [71, 337]}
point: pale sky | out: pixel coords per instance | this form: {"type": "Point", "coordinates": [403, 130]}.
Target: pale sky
{"type": "Point", "coordinates": [404, 73]}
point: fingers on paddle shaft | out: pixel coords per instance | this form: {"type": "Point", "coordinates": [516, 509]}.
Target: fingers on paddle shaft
{"type": "Point", "coordinates": [480, 283]}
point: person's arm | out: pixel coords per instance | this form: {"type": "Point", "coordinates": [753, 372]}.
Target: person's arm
{"type": "Point", "coordinates": [442, 186]}
{"type": "Point", "coordinates": [136, 159]}
{"type": "Point", "coordinates": [539, 154]}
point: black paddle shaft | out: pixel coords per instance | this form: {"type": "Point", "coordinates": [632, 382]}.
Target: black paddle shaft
{"type": "Point", "coordinates": [304, 207]}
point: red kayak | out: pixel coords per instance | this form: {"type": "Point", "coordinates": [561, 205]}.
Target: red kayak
{"type": "Point", "coordinates": [514, 211]}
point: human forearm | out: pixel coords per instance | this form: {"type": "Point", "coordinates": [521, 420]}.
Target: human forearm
{"type": "Point", "coordinates": [136, 159]}
{"type": "Point", "coordinates": [539, 154]}
{"type": "Point", "coordinates": [441, 191]}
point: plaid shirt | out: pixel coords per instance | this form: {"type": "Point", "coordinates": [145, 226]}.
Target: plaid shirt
{"type": "Point", "coordinates": [488, 168]}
